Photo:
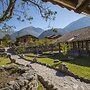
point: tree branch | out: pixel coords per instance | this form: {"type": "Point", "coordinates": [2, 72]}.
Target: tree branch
{"type": "Point", "coordinates": [9, 11]}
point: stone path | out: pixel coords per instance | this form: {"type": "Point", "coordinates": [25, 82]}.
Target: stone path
{"type": "Point", "coordinates": [58, 79]}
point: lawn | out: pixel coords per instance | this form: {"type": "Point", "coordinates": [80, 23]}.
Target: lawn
{"type": "Point", "coordinates": [80, 66]}
{"type": "Point", "coordinates": [4, 61]}
{"type": "Point", "coordinates": [47, 52]}
{"type": "Point", "coordinates": [30, 55]}
{"type": "Point", "coordinates": [42, 60]}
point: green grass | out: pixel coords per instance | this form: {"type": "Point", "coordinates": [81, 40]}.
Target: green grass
{"type": "Point", "coordinates": [40, 86]}
{"type": "Point", "coordinates": [79, 70]}
{"type": "Point", "coordinates": [45, 60]}
{"type": "Point", "coordinates": [80, 66]}
{"type": "Point", "coordinates": [30, 54]}
{"type": "Point", "coordinates": [48, 61]}
{"type": "Point", "coordinates": [28, 58]}
{"type": "Point", "coordinates": [4, 61]}
{"type": "Point", "coordinates": [47, 52]}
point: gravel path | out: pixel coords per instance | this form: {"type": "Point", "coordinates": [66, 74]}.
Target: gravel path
{"type": "Point", "coordinates": [58, 79]}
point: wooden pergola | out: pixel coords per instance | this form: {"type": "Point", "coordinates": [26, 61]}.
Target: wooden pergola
{"type": "Point", "coordinates": [79, 6]}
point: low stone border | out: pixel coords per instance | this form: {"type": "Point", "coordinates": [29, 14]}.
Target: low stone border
{"type": "Point", "coordinates": [68, 72]}
{"type": "Point", "coordinates": [46, 84]}
{"type": "Point", "coordinates": [26, 81]}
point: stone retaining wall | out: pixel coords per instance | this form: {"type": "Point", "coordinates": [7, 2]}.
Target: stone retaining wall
{"type": "Point", "coordinates": [26, 81]}
{"type": "Point", "coordinates": [46, 84]}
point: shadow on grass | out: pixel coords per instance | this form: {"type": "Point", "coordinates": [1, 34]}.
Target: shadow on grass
{"type": "Point", "coordinates": [82, 61]}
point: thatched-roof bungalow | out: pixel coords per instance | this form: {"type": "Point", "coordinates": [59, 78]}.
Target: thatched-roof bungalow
{"type": "Point", "coordinates": [78, 6]}
{"type": "Point", "coordinates": [26, 35]}
{"type": "Point", "coordinates": [78, 40]}
{"type": "Point", "coordinates": [26, 39]}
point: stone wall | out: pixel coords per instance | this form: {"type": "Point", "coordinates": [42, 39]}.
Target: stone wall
{"type": "Point", "coordinates": [46, 84]}
{"type": "Point", "coordinates": [26, 81]}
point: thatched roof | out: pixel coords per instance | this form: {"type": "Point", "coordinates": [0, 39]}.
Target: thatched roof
{"type": "Point", "coordinates": [53, 36]}
{"type": "Point", "coordinates": [77, 35]}
{"type": "Point", "coordinates": [78, 6]}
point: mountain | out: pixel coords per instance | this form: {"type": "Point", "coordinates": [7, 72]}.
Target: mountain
{"type": "Point", "coordinates": [51, 32]}
{"type": "Point", "coordinates": [30, 31]}
{"type": "Point", "coordinates": [27, 31]}
{"type": "Point", "coordinates": [81, 23]}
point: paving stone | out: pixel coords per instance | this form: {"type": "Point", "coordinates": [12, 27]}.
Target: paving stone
{"type": "Point", "coordinates": [57, 79]}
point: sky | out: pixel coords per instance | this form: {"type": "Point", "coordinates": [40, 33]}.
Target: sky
{"type": "Point", "coordinates": [63, 18]}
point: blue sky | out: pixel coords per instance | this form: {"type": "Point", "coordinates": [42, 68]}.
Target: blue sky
{"type": "Point", "coordinates": [63, 18]}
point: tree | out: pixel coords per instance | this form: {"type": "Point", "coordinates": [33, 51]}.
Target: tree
{"type": "Point", "coordinates": [20, 8]}
{"type": "Point", "coordinates": [6, 40]}
{"type": "Point", "coordinates": [7, 30]}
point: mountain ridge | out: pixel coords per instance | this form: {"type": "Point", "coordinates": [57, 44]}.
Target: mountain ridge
{"type": "Point", "coordinates": [78, 24]}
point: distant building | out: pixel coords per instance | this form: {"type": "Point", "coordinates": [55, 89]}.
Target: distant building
{"type": "Point", "coordinates": [25, 32]}
{"type": "Point", "coordinates": [26, 39]}
{"type": "Point", "coordinates": [78, 41]}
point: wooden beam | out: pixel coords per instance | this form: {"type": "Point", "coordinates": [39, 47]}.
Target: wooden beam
{"type": "Point", "coordinates": [87, 11]}
{"type": "Point", "coordinates": [83, 6]}
{"type": "Point", "coordinates": [63, 3]}
{"type": "Point", "coordinates": [79, 3]}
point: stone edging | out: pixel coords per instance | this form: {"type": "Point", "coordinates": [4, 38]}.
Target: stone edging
{"type": "Point", "coordinates": [46, 84]}
{"type": "Point", "coordinates": [66, 72]}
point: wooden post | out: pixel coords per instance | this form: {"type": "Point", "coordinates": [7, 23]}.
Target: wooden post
{"type": "Point", "coordinates": [73, 45]}
{"type": "Point", "coordinates": [87, 47]}
{"type": "Point", "coordinates": [78, 44]}
{"type": "Point", "coordinates": [78, 48]}
{"type": "Point", "coordinates": [82, 45]}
